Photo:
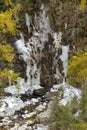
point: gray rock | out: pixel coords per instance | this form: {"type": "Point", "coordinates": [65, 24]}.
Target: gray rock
{"type": "Point", "coordinates": [50, 95]}
{"type": "Point", "coordinates": [39, 92]}
{"type": "Point", "coordinates": [11, 124]}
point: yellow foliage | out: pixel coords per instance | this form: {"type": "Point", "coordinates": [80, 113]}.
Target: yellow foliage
{"type": "Point", "coordinates": [8, 20]}
{"type": "Point", "coordinates": [8, 2]}
{"type": "Point", "coordinates": [6, 53]}
{"type": "Point", "coordinates": [77, 70]}
{"type": "Point", "coordinates": [7, 76]}
{"type": "Point", "coordinates": [16, 9]}
{"type": "Point", "coordinates": [80, 126]}
{"type": "Point", "coordinates": [83, 4]}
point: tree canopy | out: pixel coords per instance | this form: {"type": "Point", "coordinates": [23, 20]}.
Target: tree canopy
{"type": "Point", "coordinates": [8, 26]}
{"type": "Point", "coordinates": [77, 71]}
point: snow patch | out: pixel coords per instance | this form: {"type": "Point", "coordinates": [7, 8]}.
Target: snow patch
{"type": "Point", "coordinates": [69, 92]}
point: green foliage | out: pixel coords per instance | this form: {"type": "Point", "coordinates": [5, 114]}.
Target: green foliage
{"type": "Point", "coordinates": [8, 27]}
{"type": "Point", "coordinates": [69, 17]}
{"type": "Point", "coordinates": [8, 2]}
{"type": "Point", "coordinates": [74, 105]}
{"type": "Point", "coordinates": [77, 70]}
{"type": "Point", "coordinates": [83, 106]}
{"type": "Point", "coordinates": [27, 5]}
{"type": "Point", "coordinates": [7, 76]}
{"type": "Point", "coordinates": [62, 117]}
{"type": "Point", "coordinates": [80, 126]}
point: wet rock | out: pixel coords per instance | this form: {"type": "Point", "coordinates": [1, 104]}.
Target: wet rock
{"type": "Point", "coordinates": [11, 124]}
{"type": "Point", "coordinates": [23, 127]}
{"type": "Point", "coordinates": [20, 118]}
{"type": "Point", "coordinates": [40, 127]}
{"type": "Point", "coordinates": [2, 65]}
{"type": "Point", "coordinates": [26, 111]}
{"type": "Point", "coordinates": [60, 66]}
{"type": "Point", "coordinates": [0, 120]}
{"type": "Point", "coordinates": [20, 66]}
{"type": "Point", "coordinates": [59, 51]}
{"type": "Point", "coordinates": [50, 95]}
{"type": "Point", "coordinates": [30, 115]}
{"type": "Point", "coordinates": [60, 80]}
{"type": "Point", "coordinates": [8, 94]}
{"type": "Point", "coordinates": [15, 117]}
{"type": "Point", "coordinates": [43, 117]}
{"type": "Point", "coordinates": [39, 108]}
{"type": "Point", "coordinates": [26, 96]}
{"type": "Point", "coordinates": [20, 112]}
{"type": "Point", "coordinates": [6, 122]}
{"type": "Point", "coordinates": [39, 92]}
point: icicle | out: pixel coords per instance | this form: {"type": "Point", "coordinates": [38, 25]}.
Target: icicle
{"type": "Point", "coordinates": [27, 18]}
{"type": "Point", "coordinates": [28, 74]}
{"type": "Point", "coordinates": [64, 58]}
{"type": "Point", "coordinates": [42, 6]}
{"type": "Point", "coordinates": [22, 38]}
{"type": "Point", "coordinates": [57, 39]}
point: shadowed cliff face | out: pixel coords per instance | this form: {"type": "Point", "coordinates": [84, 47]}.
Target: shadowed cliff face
{"type": "Point", "coordinates": [68, 17]}
{"type": "Point", "coordinates": [42, 51]}
{"type": "Point", "coordinates": [38, 30]}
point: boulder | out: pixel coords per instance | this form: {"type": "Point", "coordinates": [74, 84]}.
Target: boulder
{"type": "Point", "coordinates": [39, 92]}
{"type": "Point", "coordinates": [26, 96]}
{"type": "Point", "coordinates": [50, 96]}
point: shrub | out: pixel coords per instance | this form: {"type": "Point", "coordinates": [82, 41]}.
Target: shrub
{"type": "Point", "coordinates": [61, 117]}
{"type": "Point", "coordinates": [6, 53]}
{"type": "Point", "coordinates": [7, 76]}
{"type": "Point", "coordinates": [77, 70]}
{"type": "Point", "coordinates": [83, 106]}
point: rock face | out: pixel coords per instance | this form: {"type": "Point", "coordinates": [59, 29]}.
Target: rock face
{"type": "Point", "coordinates": [41, 52]}
{"type": "Point", "coordinates": [20, 66]}
{"type": "Point", "coordinates": [43, 60]}
{"type": "Point", "coordinates": [39, 92]}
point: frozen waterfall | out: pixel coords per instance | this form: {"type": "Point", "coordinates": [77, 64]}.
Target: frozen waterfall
{"type": "Point", "coordinates": [31, 52]}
